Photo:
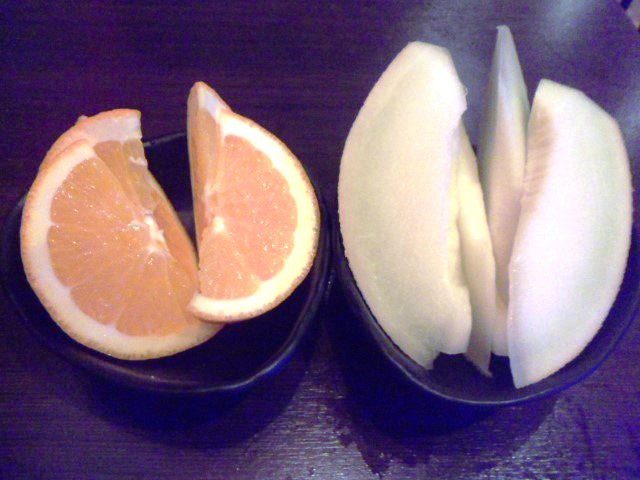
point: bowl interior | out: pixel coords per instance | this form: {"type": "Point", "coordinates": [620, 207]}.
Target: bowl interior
{"type": "Point", "coordinates": [454, 378]}
{"type": "Point", "coordinates": [239, 356]}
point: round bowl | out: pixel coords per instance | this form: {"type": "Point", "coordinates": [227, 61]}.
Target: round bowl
{"type": "Point", "coordinates": [237, 358]}
{"type": "Point", "coordinates": [454, 379]}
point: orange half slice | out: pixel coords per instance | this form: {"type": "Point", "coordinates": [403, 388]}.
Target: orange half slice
{"type": "Point", "coordinates": [256, 212]}
{"type": "Point", "coordinates": [103, 248]}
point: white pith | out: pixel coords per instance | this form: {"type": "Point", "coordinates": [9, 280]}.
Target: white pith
{"type": "Point", "coordinates": [157, 242]}
{"type": "Point", "coordinates": [138, 161]}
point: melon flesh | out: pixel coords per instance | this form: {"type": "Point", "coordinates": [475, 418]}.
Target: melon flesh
{"type": "Point", "coordinates": [502, 163]}
{"type": "Point", "coordinates": [574, 232]}
{"type": "Point", "coordinates": [477, 256]}
{"type": "Point", "coordinates": [398, 208]}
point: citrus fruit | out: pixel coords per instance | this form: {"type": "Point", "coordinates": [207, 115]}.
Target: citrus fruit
{"type": "Point", "coordinates": [256, 213]}
{"type": "Point", "coordinates": [103, 248]}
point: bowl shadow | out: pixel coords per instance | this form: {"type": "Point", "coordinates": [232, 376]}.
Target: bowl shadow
{"type": "Point", "coordinates": [393, 420]}
{"type": "Point", "coordinates": [200, 422]}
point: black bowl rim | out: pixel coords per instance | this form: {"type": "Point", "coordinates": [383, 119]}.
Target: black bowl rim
{"type": "Point", "coordinates": [392, 353]}
{"type": "Point", "coordinates": [100, 364]}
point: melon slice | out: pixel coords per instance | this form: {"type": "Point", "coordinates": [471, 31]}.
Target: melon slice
{"type": "Point", "coordinates": [477, 256]}
{"type": "Point", "coordinates": [398, 208]}
{"type": "Point", "coordinates": [574, 232]}
{"type": "Point", "coordinates": [502, 162]}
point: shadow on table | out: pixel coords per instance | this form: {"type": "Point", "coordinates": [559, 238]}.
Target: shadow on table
{"type": "Point", "coordinates": [390, 420]}
{"type": "Point", "coordinates": [201, 422]}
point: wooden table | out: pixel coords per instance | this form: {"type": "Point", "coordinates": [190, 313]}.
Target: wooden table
{"type": "Point", "coordinates": [302, 70]}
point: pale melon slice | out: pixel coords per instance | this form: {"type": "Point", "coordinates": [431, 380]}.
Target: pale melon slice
{"type": "Point", "coordinates": [397, 207]}
{"type": "Point", "coordinates": [477, 256]}
{"type": "Point", "coordinates": [573, 237]}
{"type": "Point", "coordinates": [502, 162]}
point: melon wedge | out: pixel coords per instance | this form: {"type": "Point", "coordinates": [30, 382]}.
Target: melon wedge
{"type": "Point", "coordinates": [477, 256]}
{"type": "Point", "coordinates": [502, 163]}
{"type": "Point", "coordinates": [574, 232]}
{"type": "Point", "coordinates": [398, 209]}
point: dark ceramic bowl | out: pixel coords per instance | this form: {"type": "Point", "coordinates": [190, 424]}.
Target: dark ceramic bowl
{"type": "Point", "coordinates": [238, 357]}
{"type": "Point", "coordinates": [453, 378]}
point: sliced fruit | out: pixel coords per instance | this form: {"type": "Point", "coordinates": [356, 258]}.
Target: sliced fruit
{"type": "Point", "coordinates": [256, 212]}
{"type": "Point", "coordinates": [117, 137]}
{"type": "Point", "coordinates": [398, 208]}
{"type": "Point", "coordinates": [119, 126]}
{"type": "Point", "coordinates": [104, 250]}
{"type": "Point", "coordinates": [203, 124]}
{"type": "Point", "coordinates": [502, 163]}
{"type": "Point", "coordinates": [574, 232]}
{"type": "Point", "coordinates": [477, 256]}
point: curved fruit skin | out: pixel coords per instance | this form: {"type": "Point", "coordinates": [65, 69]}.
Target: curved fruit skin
{"type": "Point", "coordinates": [397, 205]}
{"type": "Point", "coordinates": [502, 162]}
{"type": "Point", "coordinates": [574, 233]}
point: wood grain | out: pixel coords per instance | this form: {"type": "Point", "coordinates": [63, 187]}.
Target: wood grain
{"type": "Point", "coordinates": [302, 69]}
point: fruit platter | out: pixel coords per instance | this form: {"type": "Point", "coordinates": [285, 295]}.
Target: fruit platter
{"type": "Point", "coordinates": [320, 240]}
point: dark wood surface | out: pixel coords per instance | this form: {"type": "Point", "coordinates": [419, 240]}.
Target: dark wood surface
{"type": "Point", "coordinates": [301, 69]}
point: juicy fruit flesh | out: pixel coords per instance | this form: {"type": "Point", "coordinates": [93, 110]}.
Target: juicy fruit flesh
{"type": "Point", "coordinates": [115, 244]}
{"type": "Point", "coordinates": [246, 213]}
{"type": "Point", "coordinates": [257, 215]}
{"type": "Point", "coordinates": [207, 150]}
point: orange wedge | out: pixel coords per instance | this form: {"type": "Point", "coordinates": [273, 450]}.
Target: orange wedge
{"type": "Point", "coordinates": [256, 212]}
{"type": "Point", "coordinates": [103, 248]}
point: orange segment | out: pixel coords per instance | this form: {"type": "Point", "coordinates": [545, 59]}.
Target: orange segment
{"type": "Point", "coordinates": [95, 219]}
{"type": "Point", "coordinates": [256, 206]}
{"type": "Point", "coordinates": [207, 150]}
{"type": "Point", "coordinates": [224, 273]}
{"type": "Point", "coordinates": [131, 171]}
{"type": "Point", "coordinates": [257, 218]}
{"type": "Point", "coordinates": [204, 139]}
{"type": "Point", "coordinates": [105, 251]}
